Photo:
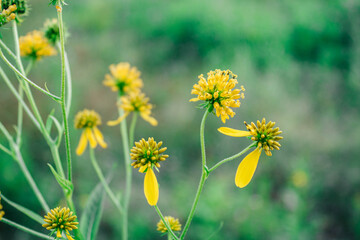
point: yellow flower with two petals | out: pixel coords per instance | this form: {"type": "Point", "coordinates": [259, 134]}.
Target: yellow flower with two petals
{"type": "Point", "coordinates": [266, 138]}
{"type": "Point", "coordinates": [88, 120]}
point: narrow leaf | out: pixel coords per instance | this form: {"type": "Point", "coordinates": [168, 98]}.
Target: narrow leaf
{"type": "Point", "coordinates": [62, 182]}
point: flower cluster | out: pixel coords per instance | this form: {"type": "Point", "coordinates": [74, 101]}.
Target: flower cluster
{"type": "Point", "coordinates": [36, 46]}
{"type": "Point", "coordinates": [21, 5]}
{"type": "Point", "coordinates": [265, 137]}
{"type": "Point", "coordinates": [148, 154]}
{"type": "Point", "coordinates": [173, 223]}
{"type": "Point", "coordinates": [59, 220]}
{"type": "Point", "coordinates": [7, 15]}
{"type": "Point", "coordinates": [88, 120]}
{"type": "Point", "coordinates": [2, 213]}
{"type": "Point", "coordinates": [218, 93]}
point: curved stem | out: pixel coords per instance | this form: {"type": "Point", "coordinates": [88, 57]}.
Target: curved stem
{"type": "Point", "coordinates": [25, 229]}
{"type": "Point", "coordinates": [3, 45]}
{"type": "Point", "coordinates": [125, 141]}
{"type": "Point", "coordinates": [103, 181]}
{"type": "Point", "coordinates": [132, 128]}
{"type": "Point", "coordinates": [165, 223]}
{"type": "Point", "coordinates": [231, 158]}
{"type": "Point", "coordinates": [203, 178]}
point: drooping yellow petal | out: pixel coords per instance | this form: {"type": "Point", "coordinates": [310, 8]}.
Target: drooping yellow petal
{"type": "Point", "coordinates": [151, 187]}
{"type": "Point", "coordinates": [194, 100]}
{"type": "Point", "coordinates": [82, 144]}
{"type": "Point", "coordinates": [247, 168]}
{"type": "Point", "coordinates": [90, 136]}
{"type": "Point", "coordinates": [99, 137]}
{"type": "Point", "coordinates": [58, 233]}
{"type": "Point", "coordinates": [149, 119]}
{"type": "Point", "coordinates": [117, 121]}
{"type": "Point", "coordinates": [233, 132]}
{"type": "Point", "coordinates": [69, 237]}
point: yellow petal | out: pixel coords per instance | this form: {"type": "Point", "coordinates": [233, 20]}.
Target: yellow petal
{"type": "Point", "coordinates": [149, 119]}
{"type": "Point", "coordinates": [143, 168]}
{"type": "Point", "coordinates": [247, 168]}
{"type": "Point", "coordinates": [151, 187]}
{"type": "Point", "coordinates": [99, 137]}
{"type": "Point", "coordinates": [194, 100]}
{"type": "Point", "coordinates": [117, 121]}
{"type": "Point", "coordinates": [90, 136]}
{"type": "Point", "coordinates": [82, 144]}
{"type": "Point", "coordinates": [233, 132]}
{"type": "Point", "coordinates": [58, 233]}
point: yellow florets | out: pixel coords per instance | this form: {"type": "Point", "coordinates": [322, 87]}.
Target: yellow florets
{"type": "Point", "coordinates": [265, 136]}
{"type": "Point", "coordinates": [36, 46]}
{"type": "Point", "coordinates": [87, 119]}
{"type": "Point", "coordinates": [218, 93]}
{"type": "Point", "coordinates": [123, 78]}
{"type": "Point", "coordinates": [7, 14]}
{"type": "Point", "coordinates": [173, 223]}
{"type": "Point", "coordinates": [60, 220]}
{"type": "Point", "coordinates": [147, 153]}
{"type": "Point", "coordinates": [2, 213]}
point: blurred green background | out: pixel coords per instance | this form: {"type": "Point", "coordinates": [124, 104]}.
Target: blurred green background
{"type": "Point", "coordinates": [300, 64]}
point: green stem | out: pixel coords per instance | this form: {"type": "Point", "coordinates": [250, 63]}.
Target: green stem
{"type": "Point", "coordinates": [165, 223]}
{"type": "Point", "coordinates": [169, 236]}
{"type": "Point", "coordinates": [3, 45]}
{"type": "Point", "coordinates": [3, 148]}
{"type": "Point", "coordinates": [203, 178]}
{"type": "Point", "coordinates": [132, 129]}
{"type": "Point", "coordinates": [125, 141]}
{"type": "Point", "coordinates": [103, 181]}
{"type": "Point", "coordinates": [25, 229]}
{"type": "Point", "coordinates": [231, 158]}
{"type": "Point", "coordinates": [63, 98]}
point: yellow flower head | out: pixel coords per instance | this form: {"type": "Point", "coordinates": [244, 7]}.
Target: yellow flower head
{"type": "Point", "coordinates": [7, 14]}
{"type": "Point", "coordinates": [88, 120]}
{"type": "Point", "coordinates": [123, 78]}
{"type": "Point", "coordinates": [148, 154]}
{"type": "Point", "coordinates": [2, 213]}
{"type": "Point", "coordinates": [173, 223]}
{"type": "Point", "coordinates": [36, 46]}
{"type": "Point", "coordinates": [21, 5]}
{"type": "Point", "coordinates": [59, 220]}
{"type": "Point", "coordinates": [135, 102]}
{"type": "Point", "coordinates": [218, 93]}
{"type": "Point", "coordinates": [265, 136]}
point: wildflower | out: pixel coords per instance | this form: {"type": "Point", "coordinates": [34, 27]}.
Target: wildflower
{"type": "Point", "coordinates": [88, 120]}
{"type": "Point", "coordinates": [2, 213]}
{"type": "Point", "coordinates": [299, 179]}
{"type": "Point", "coordinates": [7, 15]}
{"type": "Point", "coordinates": [265, 136]}
{"type": "Point", "coordinates": [35, 45]}
{"type": "Point", "coordinates": [51, 30]}
{"type": "Point", "coordinates": [59, 220]}
{"type": "Point", "coordinates": [173, 223]}
{"type": "Point", "coordinates": [217, 92]}
{"type": "Point", "coordinates": [135, 102]}
{"type": "Point", "coordinates": [123, 78]}
{"type": "Point", "coordinates": [21, 5]}
{"type": "Point", "coordinates": [147, 154]}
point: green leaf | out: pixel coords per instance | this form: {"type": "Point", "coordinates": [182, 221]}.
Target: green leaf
{"type": "Point", "coordinates": [49, 121]}
{"type": "Point", "coordinates": [90, 219]}
{"type": "Point", "coordinates": [64, 183]}
{"type": "Point", "coordinates": [59, 128]}
{"type": "Point", "coordinates": [36, 217]}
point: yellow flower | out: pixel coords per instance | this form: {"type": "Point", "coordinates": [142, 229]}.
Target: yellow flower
{"type": "Point", "coordinates": [36, 46]}
{"type": "Point", "coordinates": [148, 154]}
{"type": "Point", "coordinates": [173, 223]}
{"type": "Point", "coordinates": [59, 220]}
{"type": "Point", "coordinates": [299, 179]}
{"type": "Point", "coordinates": [135, 102]}
{"type": "Point", "coordinates": [123, 78]}
{"type": "Point", "coordinates": [2, 213]}
{"type": "Point", "coordinates": [7, 14]}
{"type": "Point", "coordinates": [218, 93]}
{"type": "Point", "coordinates": [265, 136]}
{"type": "Point", "coordinates": [88, 120]}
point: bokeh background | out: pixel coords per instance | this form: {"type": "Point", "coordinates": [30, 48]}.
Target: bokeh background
{"type": "Point", "coordinates": [300, 64]}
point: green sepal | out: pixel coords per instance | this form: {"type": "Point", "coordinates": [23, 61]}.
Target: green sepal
{"type": "Point", "coordinates": [64, 183]}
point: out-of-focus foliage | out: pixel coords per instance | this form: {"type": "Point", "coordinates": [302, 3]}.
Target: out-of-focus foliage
{"type": "Point", "coordinates": [300, 64]}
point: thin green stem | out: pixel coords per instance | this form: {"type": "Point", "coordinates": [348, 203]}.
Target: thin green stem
{"type": "Point", "coordinates": [17, 46]}
{"type": "Point", "coordinates": [231, 158]}
{"type": "Point", "coordinates": [3, 45]}
{"type": "Point", "coordinates": [165, 223]}
{"type": "Point", "coordinates": [203, 178]}
{"type": "Point", "coordinates": [63, 97]}
{"type": "Point", "coordinates": [103, 181]}
{"type": "Point", "coordinates": [132, 128]}
{"type": "Point", "coordinates": [25, 229]}
{"type": "Point", "coordinates": [125, 141]}
{"type": "Point", "coordinates": [68, 81]}
{"type": "Point", "coordinates": [169, 236]}
{"type": "Point", "coordinates": [56, 156]}
{"type": "Point", "coordinates": [6, 150]}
